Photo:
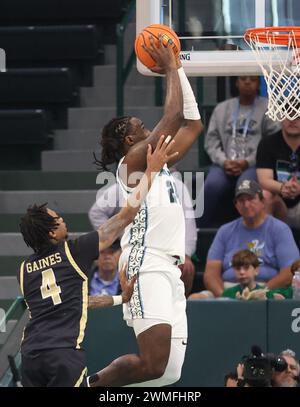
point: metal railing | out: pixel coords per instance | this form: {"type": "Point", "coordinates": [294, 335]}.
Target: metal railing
{"type": "Point", "coordinates": [10, 348]}
{"type": "Point", "coordinates": [11, 310]}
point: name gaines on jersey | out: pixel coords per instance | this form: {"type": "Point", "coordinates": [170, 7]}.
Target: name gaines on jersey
{"type": "Point", "coordinates": [43, 263]}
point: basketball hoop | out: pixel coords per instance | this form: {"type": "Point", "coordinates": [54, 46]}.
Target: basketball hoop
{"type": "Point", "coordinates": [277, 51]}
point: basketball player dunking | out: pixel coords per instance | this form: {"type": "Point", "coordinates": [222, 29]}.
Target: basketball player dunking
{"type": "Point", "coordinates": [153, 244]}
{"type": "Point", "coordinates": [54, 283]}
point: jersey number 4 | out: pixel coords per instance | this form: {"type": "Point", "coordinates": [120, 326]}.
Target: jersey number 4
{"type": "Point", "coordinates": [49, 288]}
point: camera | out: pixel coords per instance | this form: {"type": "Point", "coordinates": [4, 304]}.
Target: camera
{"type": "Point", "coordinates": [259, 368]}
{"type": "Point", "coordinates": [278, 363]}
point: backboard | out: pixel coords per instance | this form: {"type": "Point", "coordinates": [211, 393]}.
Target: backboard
{"type": "Point", "coordinates": [211, 31]}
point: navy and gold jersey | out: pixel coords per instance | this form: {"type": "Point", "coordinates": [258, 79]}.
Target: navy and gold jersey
{"type": "Point", "coordinates": [55, 288]}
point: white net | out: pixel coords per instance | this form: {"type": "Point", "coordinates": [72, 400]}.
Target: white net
{"type": "Point", "coordinates": [280, 64]}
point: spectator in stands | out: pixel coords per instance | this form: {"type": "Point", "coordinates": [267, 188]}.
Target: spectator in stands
{"type": "Point", "coordinates": [290, 376]}
{"type": "Point", "coordinates": [278, 171]}
{"type": "Point", "coordinates": [269, 238]}
{"type": "Point", "coordinates": [235, 129]}
{"type": "Point", "coordinates": [109, 202]}
{"type": "Point", "coordinates": [246, 267]}
{"type": "Point", "coordinates": [105, 277]}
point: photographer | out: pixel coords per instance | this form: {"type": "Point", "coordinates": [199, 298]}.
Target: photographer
{"type": "Point", "coordinates": [259, 370]}
{"type": "Point", "coordinates": [290, 376]}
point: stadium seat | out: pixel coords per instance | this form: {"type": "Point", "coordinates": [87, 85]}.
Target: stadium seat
{"type": "Point", "coordinates": [23, 127]}
{"type": "Point", "coordinates": [36, 86]}
{"type": "Point", "coordinates": [16, 11]}
{"type": "Point", "coordinates": [48, 43]}
{"type": "Point", "coordinates": [78, 222]}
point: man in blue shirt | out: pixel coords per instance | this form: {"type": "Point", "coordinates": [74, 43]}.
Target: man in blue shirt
{"type": "Point", "coordinates": [269, 238]}
{"type": "Point", "coordinates": [105, 277]}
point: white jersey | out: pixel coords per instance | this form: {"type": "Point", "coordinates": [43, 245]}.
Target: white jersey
{"type": "Point", "coordinates": [159, 226]}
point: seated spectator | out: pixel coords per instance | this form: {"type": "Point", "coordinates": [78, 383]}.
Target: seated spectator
{"type": "Point", "coordinates": [278, 171]}
{"type": "Point", "coordinates": [105, 276]}
{"type": "Point", "coordinates": [246, 267]}
{"type": "Point", "coordinates": [235, 129]}
{"type": "Point", "coordinates": [290, 377]}
{"type": "Point", "coordinates": [269, 238]}
{"type": "Point", "coordinates": [109, 202]}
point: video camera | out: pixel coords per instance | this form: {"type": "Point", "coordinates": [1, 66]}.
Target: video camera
{"type": "Point", "coordinates": [259, 368]}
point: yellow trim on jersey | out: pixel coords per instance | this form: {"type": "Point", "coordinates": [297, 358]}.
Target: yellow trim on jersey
{"type": "Point", "coordinates": [22, 277]}
{"type": "Point", "coordinates": [79, 381]}
{"type": "Point", "coordinates": [22, 286]}
{"type": "Point", "coordinates": [73, 262]}
{"type": "Point", "coordinates": [83, 318]}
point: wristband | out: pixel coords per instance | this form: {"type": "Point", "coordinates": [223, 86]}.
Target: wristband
{"type": "Point", "coordinates": [117, 299]}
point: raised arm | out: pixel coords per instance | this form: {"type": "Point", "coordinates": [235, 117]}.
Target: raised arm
{"type": "Point", "coordinates": [192, 126]}
{"type": "Point", "coordinates": [173, 108]}
{"type": "Point", "coordinates": [112, 229]}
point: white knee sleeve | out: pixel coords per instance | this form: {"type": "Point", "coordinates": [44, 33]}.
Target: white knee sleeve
{"type": "Point", "coordinates": [173, 370]}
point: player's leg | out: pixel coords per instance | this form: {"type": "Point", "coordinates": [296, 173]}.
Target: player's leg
{"type": "Point", "coordinates": [151, 307]}
{"type": "Point", "coordinates": [154, 348]}
{"type": "Point", "coordinates": [33, 375]}
{"type": "Point", "coordinates": [172, 372]}
{"type": "Point", "coordinates": [159, 358]}
{"type": "Point", "coordinates": [179, 337]}
{"type": "Point", "coordinates": [66, 367]}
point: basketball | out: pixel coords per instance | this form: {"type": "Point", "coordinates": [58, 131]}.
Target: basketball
{"type": "Point", "coordinates": [143, 39]}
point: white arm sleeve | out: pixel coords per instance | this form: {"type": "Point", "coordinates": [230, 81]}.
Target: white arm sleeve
{"type": "Point", "coordinates": [190, 106]}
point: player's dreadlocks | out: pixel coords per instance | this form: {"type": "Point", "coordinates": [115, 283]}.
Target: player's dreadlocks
{"type": "Point", "coordinates": [112, 141]}
{"type": "Point", "coordinates": [35, 227]}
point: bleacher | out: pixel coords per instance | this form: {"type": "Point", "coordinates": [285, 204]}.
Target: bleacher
{"type": "Point", "coordinates": [51, 50]}
{"type": "Point", "coordinates": [66, 11]}
{"type": "Point", "coordinates": [51, 43]}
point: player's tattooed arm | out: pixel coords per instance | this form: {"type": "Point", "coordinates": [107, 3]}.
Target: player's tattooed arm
{"type": "Point", "coordinates": [100, 301]}
{"type": "Point", "coordinates": [103, 301]}
{"type": "Point", "coordinates": [111, 229]}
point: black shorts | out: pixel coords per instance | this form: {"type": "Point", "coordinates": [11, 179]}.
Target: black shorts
{"type": "Point", "coordinates": [54, 368]}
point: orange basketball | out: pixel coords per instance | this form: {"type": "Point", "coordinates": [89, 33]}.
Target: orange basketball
{"type": "Point", "coordinates": [154, 30]}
